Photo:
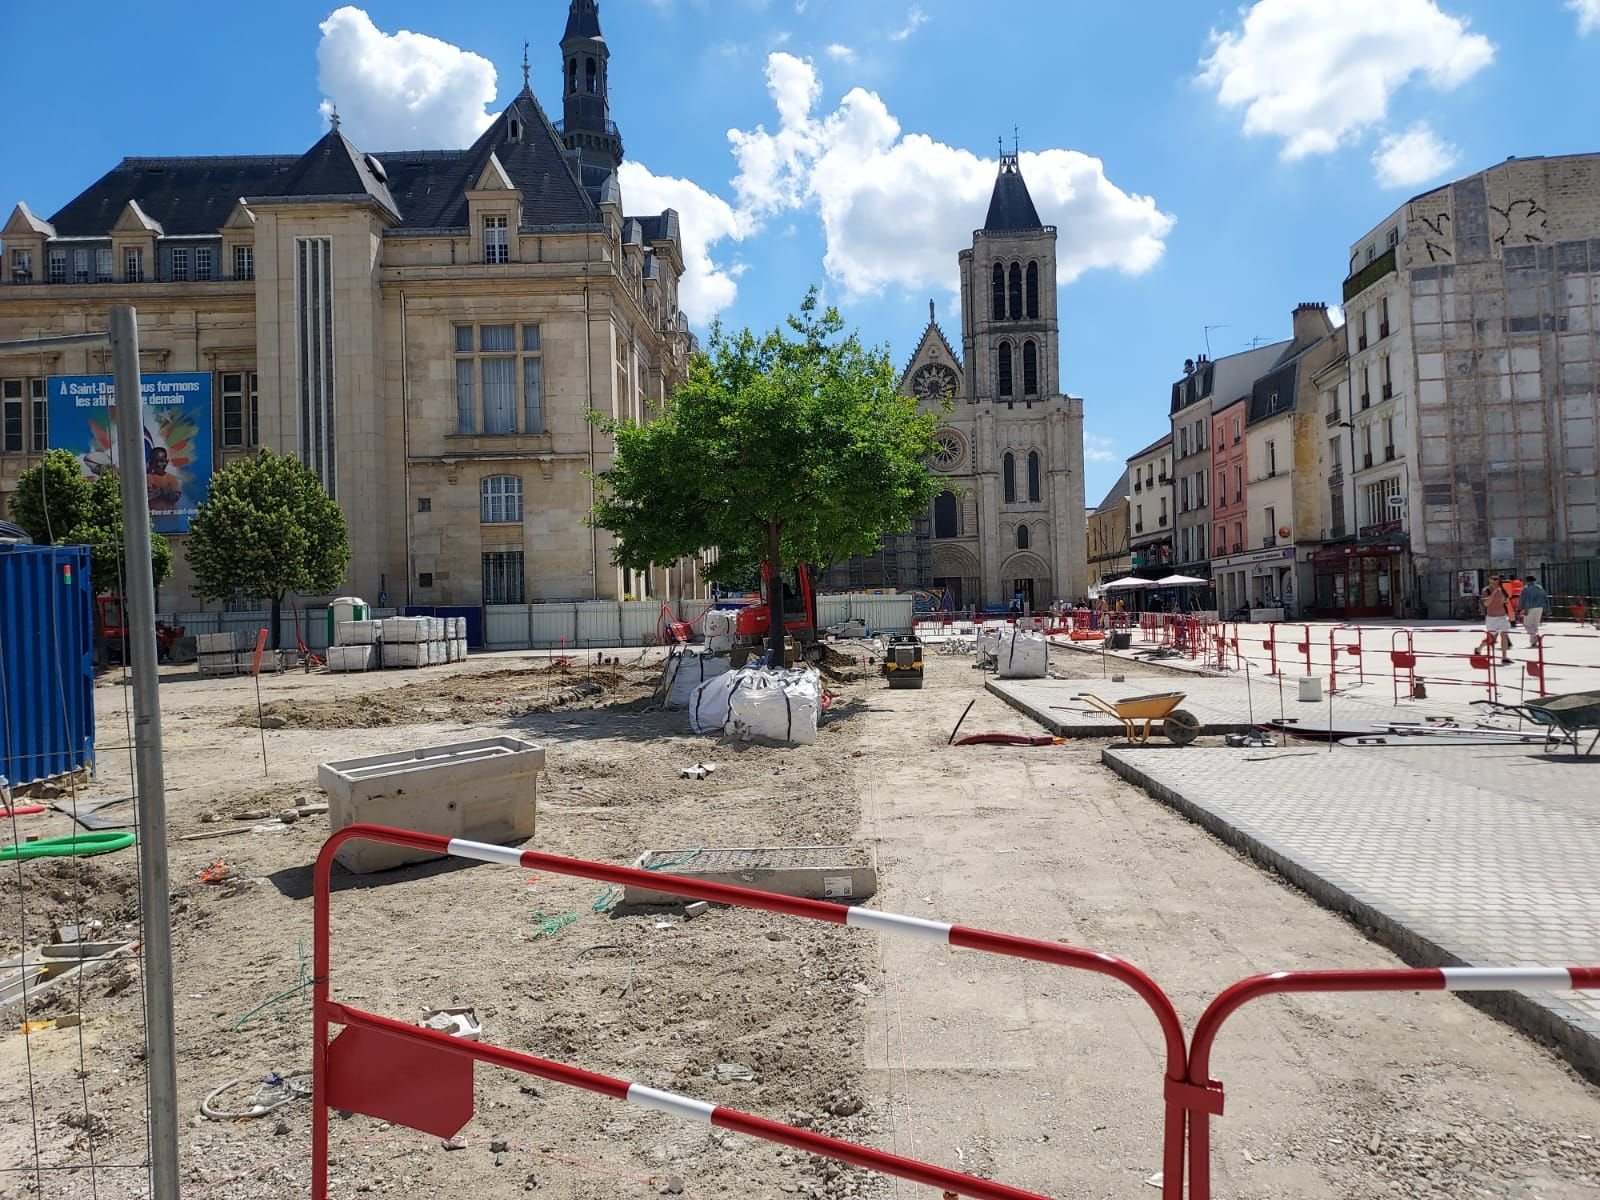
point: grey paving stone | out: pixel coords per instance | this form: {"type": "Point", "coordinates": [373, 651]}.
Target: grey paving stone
{"type": "Point", "coordinates": [1463, 855]}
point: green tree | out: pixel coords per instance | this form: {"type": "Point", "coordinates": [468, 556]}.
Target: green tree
{"type": "Point", "coordinates": [794, 445]}
{"type": "Point", "coordinates": [51, 498]}
{"type": "Point", "coordinates": [100, 528]}
{"type": "Point", "coordinates": [55, 503]}
{"type": "Point", "coordinates": [266, 529]}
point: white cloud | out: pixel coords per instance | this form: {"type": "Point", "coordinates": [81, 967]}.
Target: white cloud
{"type": "Point", "coordinates": [1317, 74]}
{"type": "Point", "coordinates": [915, 20]}
{"type": "Point", "coordinates": [704, 220]}
{"type": "Point", "coordinates": [402, 90]}
{"type": "Point", "coordinates": [895, 208]}
{"type": "Point", "coordinates": [1098, 449]}
{"type": "Point", "coordinates": [1588, 14]}
{"type": "Point", "coordinates": [846, 55]}
{"type": "Point", "coordinates": [1413, 157]}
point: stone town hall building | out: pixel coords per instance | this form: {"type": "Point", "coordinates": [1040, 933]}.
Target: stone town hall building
{"type": "Point", "coordinates": [1011, 518]}
{"type": "Point", "coordinates": [426, 330]}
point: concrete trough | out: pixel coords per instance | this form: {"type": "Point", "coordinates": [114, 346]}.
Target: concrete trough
{"type": "Point", "coordinates": [810, 872]}
{"type": "Point", "coordinates": [483, 790]}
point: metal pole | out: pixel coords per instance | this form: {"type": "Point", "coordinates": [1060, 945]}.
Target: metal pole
{"type": "Point", "coordinates": [160, 1052]}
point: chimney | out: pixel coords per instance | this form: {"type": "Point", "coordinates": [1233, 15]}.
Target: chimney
{"type": "Point", "coordinates": [1188, 367]}
{"type": "Point", "coordinates": [1311, 323]}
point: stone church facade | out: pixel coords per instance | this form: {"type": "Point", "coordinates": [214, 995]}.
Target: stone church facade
{"type": "Point", "coordinates": [1011, 518]}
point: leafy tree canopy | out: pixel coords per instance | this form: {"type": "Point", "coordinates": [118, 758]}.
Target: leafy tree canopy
{"type": "Point", "coordinates": [266, 529]}
{"type": "Point", "coordinates": [792, 445]}
{"type": "Point", "coordinates": [55, 503]}
{"type": "Point", "coordinates": [51, 498]}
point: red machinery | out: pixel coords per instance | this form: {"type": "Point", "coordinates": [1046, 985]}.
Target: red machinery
{"type": "Point", "coordinates": [110, 615]}
{"type": "Point", "coordinates": [753, 624]}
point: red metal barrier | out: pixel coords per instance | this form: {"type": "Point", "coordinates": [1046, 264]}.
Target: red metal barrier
{"type": "Point", "coordinates": [1453, 979]}
{"type": "Point", "coordinates": [423, 1079]}
{"type": "Point", "coordinates": [1349, 649]}
{"type": "Point", "coordinates": [1403, 660]}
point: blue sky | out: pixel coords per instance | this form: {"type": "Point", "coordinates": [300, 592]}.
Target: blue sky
{"type": "Point", "coordinates": [1207, 165]}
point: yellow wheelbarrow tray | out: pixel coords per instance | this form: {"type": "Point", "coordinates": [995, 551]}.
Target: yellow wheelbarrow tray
{"type": "Point", "coordinates": [1139, 714]}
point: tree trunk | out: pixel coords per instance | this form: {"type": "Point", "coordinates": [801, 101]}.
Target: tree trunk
{"type": "Point", "coordinates": [775, 594]}
{"type": "Point", "coordinates": [277, 609]}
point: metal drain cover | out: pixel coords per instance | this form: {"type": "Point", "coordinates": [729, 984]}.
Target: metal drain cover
{"type": "Point", "coordinates": [811, 872]}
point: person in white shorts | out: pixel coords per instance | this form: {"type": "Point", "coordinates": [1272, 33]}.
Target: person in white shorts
{"type": "Point", "coordinates": [1534, 602]}
{"type": "Point", "coordinates": [1496, 619]}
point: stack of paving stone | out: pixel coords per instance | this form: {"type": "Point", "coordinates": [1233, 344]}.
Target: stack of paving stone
{"type": "Point", "coordinates": [217, 653]}
{"type": "Point", "coordinates": [356, 646]}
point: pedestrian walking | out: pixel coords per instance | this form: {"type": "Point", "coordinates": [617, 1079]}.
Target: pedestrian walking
{"type": "Point", "coordinates": [1534, 601]}
{"type": "Point", "coordinates": [1496, 620]}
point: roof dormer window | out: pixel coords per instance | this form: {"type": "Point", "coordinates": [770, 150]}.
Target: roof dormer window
{"type": "Point", "coordinates": [515, 127]}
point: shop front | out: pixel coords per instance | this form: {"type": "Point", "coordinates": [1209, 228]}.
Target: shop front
{"type": "Point", "coordinates": [1261, 579]}
{"type": "Point", "coordinates": [1362, 580]}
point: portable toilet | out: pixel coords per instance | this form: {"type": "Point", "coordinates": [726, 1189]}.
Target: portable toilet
{"type": "Point", "coordinates": [345, 608]}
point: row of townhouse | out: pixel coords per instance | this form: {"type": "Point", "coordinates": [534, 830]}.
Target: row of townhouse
{"type": "Point", "coordinates": [1382, 467]}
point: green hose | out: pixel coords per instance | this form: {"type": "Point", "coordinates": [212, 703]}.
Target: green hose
{"type": "Point", "coordinates": [68, 846]}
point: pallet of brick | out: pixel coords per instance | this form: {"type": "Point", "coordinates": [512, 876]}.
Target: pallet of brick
{"type": "Point", "coordinates": [406, 630]}
{"type": "Point", "coordinates": [360, 656]}
{"type": "Point", "coordinates": [404, 654]}
{"type": "Point", "coordinates": [218, 663]}
{"type": "Point", "coordinates": [436, 655]}
{"type": "Point", "coordinates": [436, 628]}
{"type": "Point", "coordinates": [458, 628]}
{"type": "Point", "coordinates": [460, 646]}
{"type": "Point", "coordinates": [358, 633]}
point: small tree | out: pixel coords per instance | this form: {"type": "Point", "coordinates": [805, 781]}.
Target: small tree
{"type": "Point", "coordinates": [265, 529]}
{"type": "Point", "coordinates": [55, 503]}
{"type": "Point", "coordinates": [797, 444]}
{"type": "Point", "coordinates": [51, 498]}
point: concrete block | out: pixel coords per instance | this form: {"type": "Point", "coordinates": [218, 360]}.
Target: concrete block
{"type": "Point", "coordinates": [812, 872]}
{"type": "Point", "coordinates": [482, 790]}
{"type": "Point", "coordinates": [404, 654]}
{"type": "Point", "coordinates": [215, 643]}
{"type": "Point", "coordinates": [406, 629]}
{"type": "Point", "coordinates": [219, 664]}
{"type": "Point", "coordinates": [352, 658]}
{"type": "Point", "coordinates": [359, 633]}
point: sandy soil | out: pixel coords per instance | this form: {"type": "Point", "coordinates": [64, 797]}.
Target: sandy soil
{"type": "Point", "coordinates": [1046, 1080]}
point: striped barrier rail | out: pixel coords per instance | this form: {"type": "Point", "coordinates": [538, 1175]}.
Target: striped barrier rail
{"type": "Point", "coordinates": [1441, 979]}
{"type": "Point", "coordinates": [422, 1078]}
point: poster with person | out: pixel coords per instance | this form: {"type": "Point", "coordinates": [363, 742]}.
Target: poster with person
{"type": "Point", "coordinates": [176, 455]}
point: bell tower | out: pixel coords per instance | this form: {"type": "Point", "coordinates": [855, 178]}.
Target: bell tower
{"type": "Point", "coordinates": [586, 126]}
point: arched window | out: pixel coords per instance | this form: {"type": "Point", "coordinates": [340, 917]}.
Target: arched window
{"type": "Point", "coordinates": [1033, 291]}
{"type": "Point", "coordinates": [1035, 482]}
{"type": "Point", "coordinates": [1005, 368]}
{"type": "Point", "coordinates": [998, 303]}
{"type": "Point", "coordinates": [590, 76]}
{"type": "Point", "coordinates": [1008, 475]}
{"type": "Point", "coordinates": [572, 75]}
{"type": "Point", "coordinates": [1030, 368]}
{"type": "Point", "coordinates": [946, 518]}
{"type": "Point", "coordinates": [502, 500]}
{"type": "Point", "coordinates": [1016, 292]}
{"type": "Point", "coordinates": [1022, 537]}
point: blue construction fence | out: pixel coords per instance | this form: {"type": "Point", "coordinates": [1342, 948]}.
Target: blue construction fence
{"type": "Point", "coordinates": [46, 662]}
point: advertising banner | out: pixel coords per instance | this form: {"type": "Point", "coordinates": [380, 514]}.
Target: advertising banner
{"type": "Point", "coordinates": [176, 455]}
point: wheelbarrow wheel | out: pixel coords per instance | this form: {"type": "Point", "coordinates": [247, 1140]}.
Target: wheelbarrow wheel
{"type": "Point", "coordinates": [1181, 727]}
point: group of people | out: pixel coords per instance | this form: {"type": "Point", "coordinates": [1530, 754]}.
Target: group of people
{"type": "Point", "coordinates": [1506, 602]}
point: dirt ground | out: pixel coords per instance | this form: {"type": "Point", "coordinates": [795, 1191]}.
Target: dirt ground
{"type": "Point", "coordinates": [1047, 1080]}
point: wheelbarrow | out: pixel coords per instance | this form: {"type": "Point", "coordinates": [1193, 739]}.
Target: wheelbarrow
{"type": "Point", "coordinates": [1574, 713]}
{"type": "Point", "coordinates": [1180, 726]}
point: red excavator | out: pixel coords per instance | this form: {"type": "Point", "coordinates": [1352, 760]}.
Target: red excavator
{"type": "Point", "coordinates": [753, 626]}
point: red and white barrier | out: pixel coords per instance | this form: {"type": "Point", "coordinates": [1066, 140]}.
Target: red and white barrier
{"type": "Point", "coordinates": [1449, 979]}
{"type": "Point", "coordinates": [422, 1079]}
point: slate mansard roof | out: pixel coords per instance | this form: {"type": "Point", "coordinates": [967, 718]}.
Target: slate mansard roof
{"type": "Point", "coordinates": [419, 189]}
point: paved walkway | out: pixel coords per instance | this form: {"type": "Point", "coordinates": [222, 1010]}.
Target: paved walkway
{"type": "Point", "coordinates": [1481, 856]}
{"type": "Point", "coordinates": [1222, 705]}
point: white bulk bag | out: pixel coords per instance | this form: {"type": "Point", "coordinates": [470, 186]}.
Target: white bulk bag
{"type": "Point", "coordinates": [718, 629]}
{"type": "Point", "coordinates": [708, 703]}
{"type": "Point", "coordinates": [1022, 655]}
{"type": "Point", "coordinates": [779, 706]}
{"type": "Point", "coordinates": [688, 671]}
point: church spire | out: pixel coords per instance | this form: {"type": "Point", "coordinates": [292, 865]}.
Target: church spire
{"type": "Point", "coordinates": [1010, 206]}
{"type": "Point", "coordinates": [586, 126]}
